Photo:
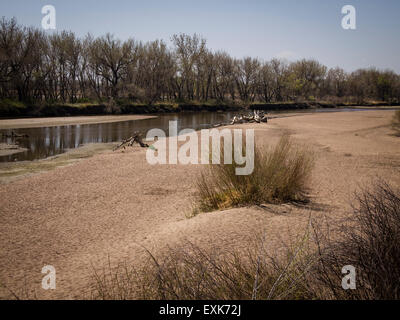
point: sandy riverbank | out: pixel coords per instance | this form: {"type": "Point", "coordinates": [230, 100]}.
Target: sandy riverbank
{"type": "Point", "coordinates": [62, 121]}
{"type": "Point", "coordinates": [109, 205]}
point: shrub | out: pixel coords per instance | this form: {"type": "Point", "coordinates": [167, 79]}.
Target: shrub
{"type": "Point", "coordinates": [280, 174]}
{"type": "Point", "coordinates": [371, 243]}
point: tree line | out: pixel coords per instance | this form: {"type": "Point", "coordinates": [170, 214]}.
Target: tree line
{"type": "Point", "coordinates": [61, 67]}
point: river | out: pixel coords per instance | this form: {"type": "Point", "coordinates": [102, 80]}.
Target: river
{"type": "Point", "coordinates": [45, 142]}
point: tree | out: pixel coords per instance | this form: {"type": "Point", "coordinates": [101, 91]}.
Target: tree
{"type": "Point", "coordinates": [111, 59]}
{"type": "Point", "coordinates": [308, 75]}
{"type": "Point", "coordinates": [247, 70]}
{"type": "Point", "coordinates": [61, 67]}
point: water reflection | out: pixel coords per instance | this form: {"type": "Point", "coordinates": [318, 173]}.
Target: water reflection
{"type": "Point", "coordinates": [50, 141]}
{"type": "Point", "coordinates": [46, 142]}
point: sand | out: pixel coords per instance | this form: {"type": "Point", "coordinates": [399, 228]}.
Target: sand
{"type": "Point", "coordinates": [105, 208]}
{"type": "Point", "coordinates": [60, 121]}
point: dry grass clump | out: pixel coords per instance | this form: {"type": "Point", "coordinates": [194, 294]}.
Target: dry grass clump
{"type": "Point", "coordinates": [370, 243]}
{"type": "Point", "coordinates": [281, 174]}
{"type": "Point", "coordinates": [192, 273]}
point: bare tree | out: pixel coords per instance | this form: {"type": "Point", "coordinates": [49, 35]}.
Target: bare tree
{"type": "Point", "coordinates": [61, 67]}
{"type": "Point", "coordinates": [111, 59]}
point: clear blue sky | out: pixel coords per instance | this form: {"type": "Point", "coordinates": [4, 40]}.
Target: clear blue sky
{"type": "Point", "coordinates": [261, 28]}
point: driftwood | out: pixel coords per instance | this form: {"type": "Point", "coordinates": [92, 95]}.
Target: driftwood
{"type": "Point", "coordinates": [130, 141]}
{"type": "Point", "coordinates": [256, 116]}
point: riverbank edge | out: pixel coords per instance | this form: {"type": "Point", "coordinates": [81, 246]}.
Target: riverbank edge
{"type": "Point", "coordinates": [13, 111]}
{"type": "Point", "coordinates": [10, 171]}
{"type": "Point", "coordinates": [26, 122]}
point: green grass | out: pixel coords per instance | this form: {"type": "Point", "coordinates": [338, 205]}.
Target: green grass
{"type": "Point", "coordinates": [281, 174]}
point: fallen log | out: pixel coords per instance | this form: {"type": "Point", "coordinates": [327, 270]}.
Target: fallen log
{"type": "Point", "coordinates": [257, 116]}
{"type": "Point", "coordinates": [136, 138]}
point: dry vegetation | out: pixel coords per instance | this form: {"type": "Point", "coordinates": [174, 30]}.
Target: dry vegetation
{"type": "Point", "coordinates": [371, 245]}
{"type": "Point", "coordinates": [280, 175]}
{"type": "Point", "coordinates": [191, 273]}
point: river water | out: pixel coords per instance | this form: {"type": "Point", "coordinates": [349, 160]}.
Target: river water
{"type": "Point", "coordinates": [49, 141]}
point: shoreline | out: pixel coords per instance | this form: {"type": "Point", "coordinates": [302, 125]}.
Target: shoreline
{"type": "Point", "coordinates": [25, 123]}
{"type": "Point", "coordinates": [38, 122]}
{"type": "Point", "coordinates": [129, 108]}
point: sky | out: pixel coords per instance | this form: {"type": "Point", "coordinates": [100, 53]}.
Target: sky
{"type": "Point", "coordinates": [289, 29]}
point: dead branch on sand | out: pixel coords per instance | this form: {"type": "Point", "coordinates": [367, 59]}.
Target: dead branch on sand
{"type": "Point", "coordinates": [254, 117]}
{"type": "Point", "coordinates": [136, 138]}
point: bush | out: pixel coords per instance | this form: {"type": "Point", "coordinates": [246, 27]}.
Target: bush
{"type": "Point", "coordinates": [281, 174]}
{"type": "Point", "coordinates": [370, 243]}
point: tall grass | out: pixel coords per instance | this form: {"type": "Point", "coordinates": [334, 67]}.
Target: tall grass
{"type": "Point", "coordinates": [281, 174]}
{"type": "Point", "coordinates": [192, 273]}
{"type": "Point", "coordinates": [371, 243]}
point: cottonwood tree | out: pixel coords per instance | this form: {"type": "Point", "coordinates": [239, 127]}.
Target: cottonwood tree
{"type": "Point", "coordinates": [279, 71]}
{"type": "Point", "coordinates": [336, 82]}
{"type": "Point", "coordinates": [266, 82]}
{"type": "Point", "coordinates": [223, 77]}
{"type": "Point", "coordinates": [246, 71]}
{"type": "Point", "coordinates": [111, 59]}
{"type": "Point", "coordinates": [308, 76]}
{"type": "Point", "coordinates": [155, 69]}
{"type": "Point", "coordinates": [61, 67]}
{"type": "Point", "coordinates": [189, 51]}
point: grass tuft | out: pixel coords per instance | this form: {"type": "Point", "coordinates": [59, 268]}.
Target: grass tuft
{"type": "Point", "coordinates": [281, 174]}
{"type": "Point", "coordinates": [192, 273]}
